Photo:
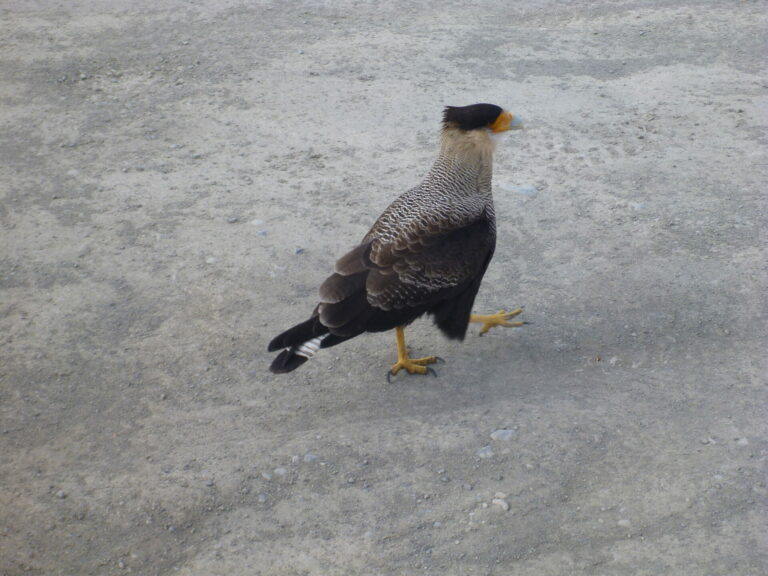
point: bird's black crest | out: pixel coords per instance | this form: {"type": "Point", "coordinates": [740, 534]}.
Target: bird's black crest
{"type": "Point", "coordinates": [471, 117]}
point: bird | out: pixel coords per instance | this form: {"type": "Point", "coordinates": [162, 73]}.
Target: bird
{"type": "Point", "coordinates": [426, 254]}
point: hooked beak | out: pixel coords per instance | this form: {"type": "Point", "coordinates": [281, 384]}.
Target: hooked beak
{"type": "Point", "coordinates": [506, 121]}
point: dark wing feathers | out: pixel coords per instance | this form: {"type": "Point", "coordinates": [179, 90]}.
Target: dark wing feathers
{"type": "Point", "coordinates": [355, 260]}
{"type": "Point", "coordinates": [428, 273]}
{"type": "Point", "coordinates": [337, 287]}
{"type": "Point", "coordinates": [337, 316]}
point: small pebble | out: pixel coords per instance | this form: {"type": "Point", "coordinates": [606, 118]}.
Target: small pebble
{"type": "Point", "coordinates": [501, 503]}
{"type": "Point", "coordinates": [299, 251]}
{"type": "Point", "coordinates": [310, 458]}
{"type": "Point", "coordinates": [280, 471]}
{"type": "Point", "coordinates": [262, 498]}
{"type": "Point", "coordinates": [742, 441]}
{"type": "Point", "coordinates": [61, 494]}
{"type": "Point", "coordinates": [485, 452]}
{"type": "Point", "coordinates": [210, 483]}
{"type": "Point", "coordinates": [502, 434]}
{"type": "Point", "coordinates": [467, 486]}
{"type": "Point", "coordinates": [232, 220]}
{"type": "Point", "coordinates": [526, 190]}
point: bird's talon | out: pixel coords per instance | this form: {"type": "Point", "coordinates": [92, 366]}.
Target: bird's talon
{"type": "Point", "coordinates": [413, 366]}
{"type": "Point", "coordinates": [499, 319]}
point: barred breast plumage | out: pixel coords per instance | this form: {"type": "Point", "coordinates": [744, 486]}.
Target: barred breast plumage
{"type": "Point", "coordinates": [426, 253]}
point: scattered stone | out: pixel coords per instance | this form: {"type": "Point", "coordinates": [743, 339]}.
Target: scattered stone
{"type": "Point", "coordinates": [61, 494]}
{"type": "Point", "coordinates": [232, 220]}
{"type": "Point", "coordinates": [526, 190]}
{"type": "Point", "coordinates": [309, 458]}
{"type": "Point", "coordinates": [262, 498]}
{"type": "Point", "coordinates": [624, 523]}
{"type": "Point", "coordinates": [500, 502]}
{"type": "Point", "coordinates": [500, 495]}
{"type": "Point", "coordinates": [485, 452]}
{"type": "Point", "coordinates": [295, 459]}
{"type": "Point", "coordinates": [467, 486]}
{"type": "Point", "coordinates": [445, 478]}
{"type": "Point", "coordinates": [502, 434]}
{"type": "Point", "coordinates": [280, 471]}
{"type": "Point", "coordinates": [437, 524]}
{"type": "Point", "coordinates": [210, 483]}
{"type": "Point", "coordinates": [742, 442]}
{"type": "Point", "coordinates": [299, 251]}
{"type": "Point", "coordinates": [262, 233]}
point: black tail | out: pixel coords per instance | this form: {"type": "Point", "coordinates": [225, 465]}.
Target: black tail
{"type": "Point", "coordinates": [287, 361]}
{"type": "Point", "coordinates": [292, 342]}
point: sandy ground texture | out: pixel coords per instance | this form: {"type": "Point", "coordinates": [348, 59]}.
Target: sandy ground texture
{"type": "Point", "coordinates": [178, 178]}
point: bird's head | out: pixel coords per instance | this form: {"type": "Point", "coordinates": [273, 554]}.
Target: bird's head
{"type": "Point", "coordinates": [487, 117]}
{"type": "Point", "coordinates": [477, 125]}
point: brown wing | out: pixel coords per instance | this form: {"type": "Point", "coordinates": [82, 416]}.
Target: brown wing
{"type": "Point", "coordinates": [430, 270]}
{"type": "Point", "coordinates": [424, 270]}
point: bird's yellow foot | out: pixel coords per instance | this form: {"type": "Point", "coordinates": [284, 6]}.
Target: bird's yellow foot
{"type": "Point", "coordinates": [499, 319]}
{"type": "Point", "coordinates": [414, 365]}
{"type": "Point", "coordinates": [405, 362]}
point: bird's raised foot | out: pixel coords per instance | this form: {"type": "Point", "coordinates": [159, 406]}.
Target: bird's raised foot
{"type": "Point", "coordinates": [414, 366]}
{"type": "Point", "coordinates": [501, 318]}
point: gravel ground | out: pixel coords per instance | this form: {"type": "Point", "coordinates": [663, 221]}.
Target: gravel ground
{"type": "Point", "coordinates": [177, 178]}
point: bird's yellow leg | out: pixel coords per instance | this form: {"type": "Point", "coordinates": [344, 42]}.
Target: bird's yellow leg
{"type": "Point", "coordinates": [488, 321]}
{"type": "Point", "coordinates": [405, 362]}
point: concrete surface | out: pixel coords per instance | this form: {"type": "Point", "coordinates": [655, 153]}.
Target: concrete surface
{"type": "Point", "coordinates": [177, 179]}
